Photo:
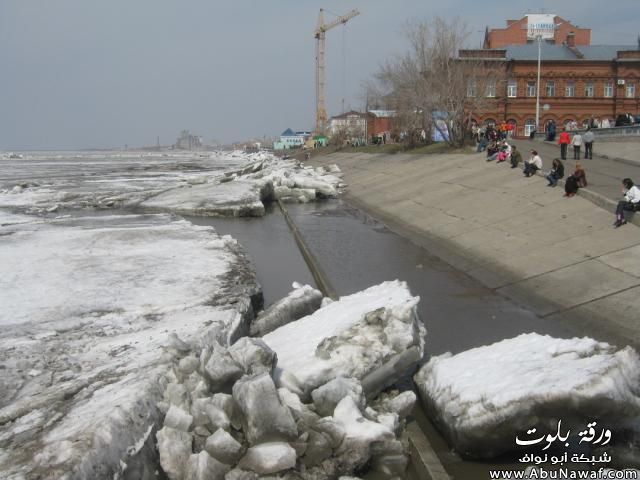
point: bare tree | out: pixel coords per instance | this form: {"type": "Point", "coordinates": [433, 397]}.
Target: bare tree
{"type": "Point", "coordinates": [432, 82]}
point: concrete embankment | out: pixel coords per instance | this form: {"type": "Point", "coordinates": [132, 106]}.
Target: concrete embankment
{"type": "Point", "coordinates": [558, 256]}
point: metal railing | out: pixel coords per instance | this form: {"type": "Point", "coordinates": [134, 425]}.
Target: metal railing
{"type": "Point", "coordinates": [602, 133]}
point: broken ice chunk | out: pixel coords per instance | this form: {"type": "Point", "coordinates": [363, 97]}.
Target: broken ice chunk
{"type": "Point", "coordinates": [374, 336]}
{"type": "Point", "coordinates": [269, 458]}
{"type": "Point", "coordinates": [326, 397]}
{"type": "Point", "coordinates": [201, 466]}
{"type": "Point", "coordinates": [483, 397]}
{"type": "Point", "coordinates": [223, 447]}
{"type": "Point", "coordinates": [175, 449]}
{"type": "Point", "coordinates": [265, 418]}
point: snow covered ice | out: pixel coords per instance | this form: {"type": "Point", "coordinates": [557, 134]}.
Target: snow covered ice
{"type": "Point", "coordinates": [230, 199]}
{"type": "Point", "coordinates": [123, 333]}
{"type": "Point", "coordinates": [374, 336]}
{"type": "Point", "coordinates": [482, 398]}
{"type": "Point", "coordinates": [278, 431]}
{"type": "Point", "coordinates": [302, 301]}
{"type": "Point", "coordinates": [89, 307]}
{"type": "Point", "coordinates": [211, 184]}
{"type": "Point", "coordinates": [95, 306]}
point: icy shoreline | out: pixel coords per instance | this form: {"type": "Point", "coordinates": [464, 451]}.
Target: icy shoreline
{"type": "Point", "coordinates": [89, 315]}
{"type": "Point", "coordinates": [93, 305]}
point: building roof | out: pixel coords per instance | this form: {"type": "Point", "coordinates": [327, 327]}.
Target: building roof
{"type": "Point", "coordinates": [383, 113]}
{"type": "Point", "coordinates": [564, 53]}
{"type": "Point", "coordinates": [287, 133]}
{"type": "Point", "coordinates": [351, 113]}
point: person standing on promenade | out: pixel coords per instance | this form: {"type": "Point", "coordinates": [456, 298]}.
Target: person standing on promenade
{"type": "Point", "coordinates": [533, 164]}
{"type": "Point", "coordinates": [563, 141]}
{"type": "Point", "coordinates": [556, 173]}
{"type": "Point", "coordinates": [630, 203]}
{"type": "Point", "coordinates": [577, 143]}
{"type": "Point", "coordinates": [588, 144]}
{"type": "Point", "coordinates": [516, 157]}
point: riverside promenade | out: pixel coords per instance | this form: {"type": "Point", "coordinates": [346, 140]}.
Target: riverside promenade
{"type": "Point", "coordinates": [559, 257]}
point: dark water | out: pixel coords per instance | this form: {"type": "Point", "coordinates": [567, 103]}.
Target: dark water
{"type": "Point", "coordinates": [271, 247]}
{"type": "Point", "coordinates": [356, 251]}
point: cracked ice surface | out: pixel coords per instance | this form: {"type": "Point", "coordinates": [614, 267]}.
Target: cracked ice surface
{"type": "Point", "coordinates": [186, 183]}
{"type": "Point", "coordinates": [373, 335]}
{"type": "Point", "coordinates": [42, 182]}
{"type": "Point", "coordinates": [89, 306]}
{"type": "Point", "coordinates": [483, 397]}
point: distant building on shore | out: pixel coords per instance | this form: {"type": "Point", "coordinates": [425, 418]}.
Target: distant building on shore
{"type": "Point", "coordinates": [187, 141]}
{"type": "Point", "coordinates": [579, 82]}
{"type": "Point", "coordinates": [290, 139]}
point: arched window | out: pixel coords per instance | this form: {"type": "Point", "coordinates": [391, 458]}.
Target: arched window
{"type": "Point", "coordinates": [529, 126]}
{"type": "Point", "coordinates": [490, 121]}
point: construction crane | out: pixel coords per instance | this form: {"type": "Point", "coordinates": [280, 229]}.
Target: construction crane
{"type": "Point", "coordinates": [320, 33]}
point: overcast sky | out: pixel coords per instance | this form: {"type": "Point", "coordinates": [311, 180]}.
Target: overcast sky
{"type": "Point", "coordinates": [81, 73]}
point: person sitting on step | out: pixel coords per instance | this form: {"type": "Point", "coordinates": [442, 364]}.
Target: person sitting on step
{"type": "Point", "coordinates": [578, 179]}
{"type": "Point", "coordinates": [631, 201]}
{"type": "Point", "coordinates": [556, 173]}
{"type": "Point", "coordinates": [533, 164]}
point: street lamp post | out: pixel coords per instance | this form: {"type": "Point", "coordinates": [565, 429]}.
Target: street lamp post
{"type": "Point", "coordinates": [539, 38]}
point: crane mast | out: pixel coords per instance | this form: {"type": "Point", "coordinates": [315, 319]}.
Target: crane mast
{"type": "Point", "coordinates": [320, 35]}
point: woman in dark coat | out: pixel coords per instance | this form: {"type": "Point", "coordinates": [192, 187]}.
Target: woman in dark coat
{"type": "Point", "coordinates": [578, 179]}
{"type": "Point", "coordinates": [556, 173]}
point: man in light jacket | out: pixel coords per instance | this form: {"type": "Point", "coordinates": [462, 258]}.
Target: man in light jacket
{"type": "Point", "coordinates": [588, 144]}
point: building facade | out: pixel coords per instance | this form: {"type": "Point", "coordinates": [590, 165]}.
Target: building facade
{"type": "Point", "coordinates": [379, 124]}
{"type": "Point", "coordinates": [351, 125]}
{"type": "Point", "coordinates": [290, 139]}
{"type": "Point", "coordinates": [552, 28]}
{"type": "Point", "coordinates": [578, 81]}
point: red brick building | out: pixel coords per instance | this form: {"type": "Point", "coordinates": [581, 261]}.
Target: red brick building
{"type": "Point", "coordinates": [379, 123]}
{"type": "Point", "coordinates": [578, 81]}
{"type": "Point", "coordinates": [519, 32]}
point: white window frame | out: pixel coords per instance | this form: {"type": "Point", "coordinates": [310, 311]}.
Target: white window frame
{"type": "Point", "coordinates": [607, 91]}
{"type": "Point", "coordinates": [550, 88]}
{"type": "Point", "coordinates": [529, 125]}
{"type": "Point", "coordinates": [512, 88]}
{"type": "Point", "coordinates": [490, 88]}
{"type": "Point", "coordinates": [588, 89]}
{"type": "Point", "coordinates": [531, 88]}
{"type": "Point", "coordinates": [630, 90]}
{"type": "Point", "coordinates": [570, 89]}
{"type": "Point", "coordinates": [471, 88]}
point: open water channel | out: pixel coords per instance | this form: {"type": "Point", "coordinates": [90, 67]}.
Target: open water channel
{"type": "Point", "coordinates": [355, 252]}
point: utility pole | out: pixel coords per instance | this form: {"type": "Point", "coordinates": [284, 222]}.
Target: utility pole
{"type": "Point", "coordinates": [539, 38]}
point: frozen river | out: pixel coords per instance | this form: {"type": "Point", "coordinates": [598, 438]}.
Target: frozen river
{"type": "Point", "coordinates": [92, 295]}
{"type": "Point", "coordinates": [92, 290]}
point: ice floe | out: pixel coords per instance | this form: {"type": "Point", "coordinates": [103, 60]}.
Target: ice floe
{"type": "Point", "coordinates": [93, 309]}
{"type": "Point", "coordinates": [374, 336]}
{"type": "Point", "coordinates": [212, 184]}
{"type": "Point", "coordinates": [482, 398]}
{"type": "Point", "coordinates": [276, 431]}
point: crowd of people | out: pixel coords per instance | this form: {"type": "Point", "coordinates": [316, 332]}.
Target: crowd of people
{"type": "Point", "coordinates": [498, 149]}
